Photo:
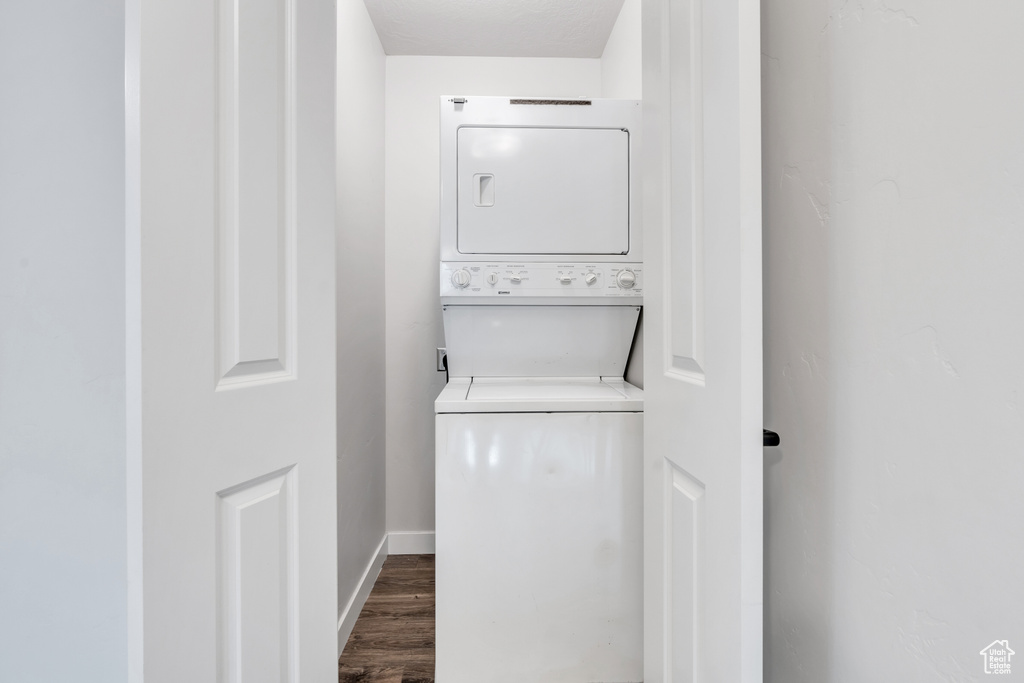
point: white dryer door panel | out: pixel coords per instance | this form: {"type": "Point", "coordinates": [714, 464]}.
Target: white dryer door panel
{"type": "Point", "coordinates": [543, 191]}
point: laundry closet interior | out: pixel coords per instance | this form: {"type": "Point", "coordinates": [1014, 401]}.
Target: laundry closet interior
{"type": "Point", "coordinates": [395, 60]}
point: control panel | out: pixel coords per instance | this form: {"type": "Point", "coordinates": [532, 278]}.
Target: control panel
{"type": "Point", "coordinates": [576, 280]}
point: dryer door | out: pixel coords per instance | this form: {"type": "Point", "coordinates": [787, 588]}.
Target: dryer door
{"type": "Point", "coordinates": [543, 190]}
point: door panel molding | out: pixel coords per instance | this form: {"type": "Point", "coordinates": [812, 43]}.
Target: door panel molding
{"type": "Point", "coordinates": [258, 568]}
{"type": "Point", "coordinates": [684, 538]}
{"type": "Point", "coordinates": [684, 181]}
{"type": "Point", "coordinates": [256, 175]}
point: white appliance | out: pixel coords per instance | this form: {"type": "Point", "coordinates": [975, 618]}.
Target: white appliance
{"type": "Point", "coordinates": [539, 438]}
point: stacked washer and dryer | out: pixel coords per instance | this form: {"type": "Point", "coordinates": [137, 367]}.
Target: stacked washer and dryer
{"type": "Point", "coordinates": [539, 437]}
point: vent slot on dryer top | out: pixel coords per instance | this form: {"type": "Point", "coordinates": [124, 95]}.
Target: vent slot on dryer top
{"type": "Point", "coordinates": [543, 190]}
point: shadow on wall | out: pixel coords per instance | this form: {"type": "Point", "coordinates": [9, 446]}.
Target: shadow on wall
{"type": "Point", "coordinates": [798, 507]}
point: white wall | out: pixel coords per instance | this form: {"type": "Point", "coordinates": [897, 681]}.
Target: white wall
{"type": "Point", "coordinates": [360, 295]}
{"type": "Point", "coordinates": [622, 78]}
{"type": "Point", "coordinates": [414, 329]}
{"type": "Point", "coordinates": [621, 62]}
{"type": "Point", "coordinates": [62, 342]}
{"type": "Point", "coordinates": [894, 200]}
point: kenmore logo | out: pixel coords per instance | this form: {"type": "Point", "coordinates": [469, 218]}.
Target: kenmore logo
{"type": "Point", "coordinates": [504, 291]}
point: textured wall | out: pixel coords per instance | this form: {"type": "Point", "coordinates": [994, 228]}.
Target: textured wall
{"type": "Point", "coordinates": [893, 185]}
{"type": "Point", "coordinates": [414, 329]}
{"type": "Point", "coordinates": [360, 295]}
{"type": "Point", "coordinates": [62, 342]}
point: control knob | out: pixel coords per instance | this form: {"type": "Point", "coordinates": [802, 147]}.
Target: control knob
{"type": "Point", "coordinates": [626, 279]}
{"type": "Point", "coordinates": [461, 278]}
{"type": "Point", "coordinates": [590, 278]}
{"type": "Point", "coordinates": [492, 279]}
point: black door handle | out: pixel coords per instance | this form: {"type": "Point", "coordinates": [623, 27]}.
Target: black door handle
{"type": "Point", "coordinates": [771, 438]}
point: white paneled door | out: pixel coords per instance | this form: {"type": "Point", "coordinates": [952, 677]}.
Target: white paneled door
{"type": "Point", "coordinates": [230, 212]}
{"type": "Point", "coordinates": [702, 379]}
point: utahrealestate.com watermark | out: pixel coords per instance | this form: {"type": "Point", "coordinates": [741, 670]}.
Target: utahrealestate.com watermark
{"type": "Point", "coordinates": [997, 657]}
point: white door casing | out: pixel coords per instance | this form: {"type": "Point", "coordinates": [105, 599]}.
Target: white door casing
{"type": "Point", "coordinates": [702, 381]}
{"type": "Point", "coordinates": [230, 214]}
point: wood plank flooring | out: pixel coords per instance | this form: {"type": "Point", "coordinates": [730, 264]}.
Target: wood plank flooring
{"type": "Point", "coordinates": [393, 639]}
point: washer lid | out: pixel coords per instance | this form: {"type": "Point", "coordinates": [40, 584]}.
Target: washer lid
{"type": "Point", "coordinates": [539, 395]}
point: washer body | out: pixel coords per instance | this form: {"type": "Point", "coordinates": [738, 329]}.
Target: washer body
{"type": "Point", "coordinates": [539, 531]}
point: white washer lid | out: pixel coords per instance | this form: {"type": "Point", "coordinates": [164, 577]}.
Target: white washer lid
{"type": "Point", "coordinates": [539, 395]}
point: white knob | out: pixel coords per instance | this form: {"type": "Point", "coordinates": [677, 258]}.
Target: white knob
{"type": "Point", "coordinates": [590, 278]}
{"type": "Point", "coordinates": [626, 279]}
{"type": "Point", "coordinates": [565, 279]}
{"type": "Point", "coordinates": [516, 279]}
{"type": "Point", "coordinates": [492, 278]}
{"type": "Point", "coordinates": [461, 278]}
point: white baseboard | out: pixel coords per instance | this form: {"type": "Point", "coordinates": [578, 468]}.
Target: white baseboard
{"type": "Point", "coordinates": [394, 543]}
{"type": "Point", "coordinates": [411, 543]}
{"type": "Point", "coordinates": [347, 620]}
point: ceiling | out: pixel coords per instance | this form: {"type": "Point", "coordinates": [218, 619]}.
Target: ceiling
{"type": "Point", "coordinates": [494, 28]}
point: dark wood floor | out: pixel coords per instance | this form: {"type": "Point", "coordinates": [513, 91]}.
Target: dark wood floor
{"type": "Point", "coordinates": [393, 639]}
